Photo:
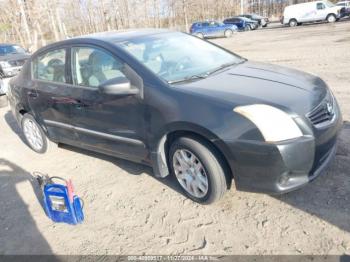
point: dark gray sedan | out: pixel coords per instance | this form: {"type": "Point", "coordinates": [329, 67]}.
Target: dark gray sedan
{"type": "Point", "coordinates": [182, 105]}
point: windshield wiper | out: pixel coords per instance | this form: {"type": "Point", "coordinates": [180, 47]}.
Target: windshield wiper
{"type": "Point", "coordinates": [223, 66]}
{"type": "Point", "coordinates": [189, 78]}
{"type": "Point", "coordinates": [205, 75]}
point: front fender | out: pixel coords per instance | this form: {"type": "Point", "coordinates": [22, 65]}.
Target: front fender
{"type": "Point", "coordinates": [158, 154]}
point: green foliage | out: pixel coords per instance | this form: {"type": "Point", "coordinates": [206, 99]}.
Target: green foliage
{"type": "Point", "coordinates": [4, 27]}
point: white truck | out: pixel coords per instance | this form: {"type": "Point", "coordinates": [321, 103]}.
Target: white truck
{"type": "Point", "coordinates": [311, 12]}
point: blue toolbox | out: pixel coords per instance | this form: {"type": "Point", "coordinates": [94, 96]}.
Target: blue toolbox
{"type": "Point", "coordinates": [60, 202]}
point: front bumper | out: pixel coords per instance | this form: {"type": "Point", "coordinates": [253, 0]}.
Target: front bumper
{"type": "Point", "coordinates": [276, 168]}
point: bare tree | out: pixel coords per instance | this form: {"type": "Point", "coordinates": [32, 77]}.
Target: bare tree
{"type": "Point", "coordinates": [34, 23]}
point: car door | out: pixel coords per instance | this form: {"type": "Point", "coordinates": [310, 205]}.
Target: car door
{"type": "Point", "coordinates": [113, 124]}
{"type": "Point", "coordinates": [205, 29]}
{"type": "Point", "coordinates": [212, 29]}
{"type": "Point", "coordinates": [218, 30]}
{"type": "Point", "coordinates": [238, 23]}
{"type": "Point", "coordinates": [49, 96]}
{"type": "Point", "coordinates": [321, 11]}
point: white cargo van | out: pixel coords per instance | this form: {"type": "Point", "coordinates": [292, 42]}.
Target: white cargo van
{"type": "Point", "coordinates": [311, 12]}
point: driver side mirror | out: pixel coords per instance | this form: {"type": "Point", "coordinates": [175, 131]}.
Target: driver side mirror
{"type": "Point", "coordinates": [118, 86]}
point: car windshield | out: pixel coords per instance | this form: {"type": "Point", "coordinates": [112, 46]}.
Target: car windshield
{"type": "Point", "coordinates": [245, 19]}
{"type": "Point", "coordinates": [11, 49]}
{"type": "Point", "coordinates": [256, 16]}
{"type": "Point", "coordinates": [178, 56]}
{"type": "Point", "coordinates": [329, 4]}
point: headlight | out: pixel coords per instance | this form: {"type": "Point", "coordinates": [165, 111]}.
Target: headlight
{"type": "Point", "coordinates": [274, 124]}
{"type": "Point", "coordinates": [4, 64]}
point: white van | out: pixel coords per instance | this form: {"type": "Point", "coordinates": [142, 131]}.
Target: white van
{"type": "Point", "coordinates": [311, 12]}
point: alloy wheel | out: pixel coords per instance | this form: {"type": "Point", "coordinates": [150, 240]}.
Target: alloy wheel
{"type": "Point", "coordinates": [190, 173]}
{"type": "Point", "coordinates": [228, 33]}
{"type": "Point", "coordinates": [33, 134]}
{"type": "Point", "coordinates": [331, 19]}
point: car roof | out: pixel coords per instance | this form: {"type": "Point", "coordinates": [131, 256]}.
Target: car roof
{"type": "Point", "coordinates": [123, 35]}
{"type": "Point", "coordinates": [110, 36]}
{"type": "Point", "coordinates": [242, 17]}
{"type": "Point", "coordinates": [207, 21]}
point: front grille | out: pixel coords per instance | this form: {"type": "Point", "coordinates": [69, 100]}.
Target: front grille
{"type": "Point", "coordinates": [324, 112]}
{"type": "Point", "coordinates": [17, 62]}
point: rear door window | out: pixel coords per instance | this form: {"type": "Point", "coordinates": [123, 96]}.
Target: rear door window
{"type": "Point", "coordinates": [50, 66]}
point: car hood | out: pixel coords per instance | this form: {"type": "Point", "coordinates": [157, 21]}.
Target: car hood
{"type": "Point", "coordinates": [253, 82]}
{"type": "Point", "coordinates": [12, 57]}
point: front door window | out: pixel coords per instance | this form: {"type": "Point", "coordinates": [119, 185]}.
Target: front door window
{"type": "Point", "coordinates": [92, 66]}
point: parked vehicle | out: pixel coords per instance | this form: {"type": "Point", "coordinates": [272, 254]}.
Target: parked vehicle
{"type": "Point", "coordinates": [346, 6]}
{"type": "Point", "coordinates": [12, 58]}
{"type": "Point", "coordinates": [212, 29]}
{"type": "Point", "coordinates": [262, 21]}
{"type": "Point", "coordinates": [311, 12]}
{"type": "Point", "coordinates": [182, 105]}
{"type": "Point", "coordinates": [242, 23]}
{"type": "Point", "coordinates": [4, 85]}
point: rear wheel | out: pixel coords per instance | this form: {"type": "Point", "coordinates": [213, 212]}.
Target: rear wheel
{"type": "Point", "coordinates": [34, 135]}
{"type": "Point", "coordinates": [247, 28]}
{"type": "Point", "coordinates": [200, 35]}
{"type": "Point", "coordinates": [293, 23]}
{"type": "Point", "coordinates": [331, 18]}
{"type": "Point", "coordinates": [228, 33]}
{"type": "Point", "coordinates": [197, 168]}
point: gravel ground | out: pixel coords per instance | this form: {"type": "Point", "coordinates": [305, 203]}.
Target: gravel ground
{"type": "Point", "coordinates": [130, 212]}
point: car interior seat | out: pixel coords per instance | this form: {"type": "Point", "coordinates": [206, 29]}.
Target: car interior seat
{"type": "Point", "coordinates": [55, 70]}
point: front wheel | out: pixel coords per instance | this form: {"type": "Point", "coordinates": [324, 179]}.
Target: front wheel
{"type": "Point", "coordinates": [293, 23]}
{"type": "Point", "coordinates": [331, 18]}
{"type": "Point", "coordinates": [197, 168]}
{"type": "Point", "coordinates": [228, 33]}
{"type": "Point", "coordinates": [34, 135]}
{"type": "Point", "coordinates": [247, 28]}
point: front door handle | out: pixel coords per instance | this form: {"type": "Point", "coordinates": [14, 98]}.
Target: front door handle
{"type": "Point", "coordinates": [79, 104]}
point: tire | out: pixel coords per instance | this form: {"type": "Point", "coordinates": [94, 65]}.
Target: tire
{"type": "Point", "coordinates": [34, 135]}
{"type": "Point", "coordinates": [204, 166]}
{"type": "Point", "coordinates": [3, 101]}
{"type": "Point", "coordinates": [228, 33]}
{"type": "Point", "coordinates": [293, 23]}
{"type": "Point", "coordinates": [331, 18]}
{"type": "Point", "coordinates": [199, 35]}
{"type": "Point", "coordinates": [247, 28]}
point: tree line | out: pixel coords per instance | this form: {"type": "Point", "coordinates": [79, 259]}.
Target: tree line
{"type": "Point", "coordinates": [34, 23]}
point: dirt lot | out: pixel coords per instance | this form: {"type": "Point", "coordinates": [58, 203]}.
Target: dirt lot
{"type": "Point", "coordinates": [130, 212]}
